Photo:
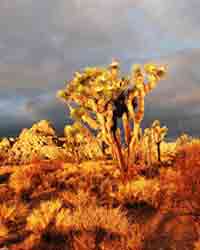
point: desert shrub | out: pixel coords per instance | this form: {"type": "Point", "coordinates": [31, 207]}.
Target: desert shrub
{"type": "Point", "coordinates": [181, 185]}
{"type": "Point", "coordinates": [183, 140]}
{"type": "Point", "coordinates": [186, 140]}
{"type": "Point", "coordinates": [170, 179]}
{"type": "Point", "coordinates": [188, 165]}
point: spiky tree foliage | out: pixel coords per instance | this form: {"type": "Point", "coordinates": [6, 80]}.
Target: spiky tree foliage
{"type": "Point", "coordinates": [90, 97]}
{"type": "Point", "coordinates": [99, 98]}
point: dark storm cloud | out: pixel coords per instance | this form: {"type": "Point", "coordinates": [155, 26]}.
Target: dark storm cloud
{"type": "Point", "coordinates": [44, 42]}
{"type": "Point", "coordinates": [176, 101]}
{"type": "Point", "coordinates": [179, 18]}
{"type": "Point", "coordinates": [23, 110]}
{"type": "Point", "coordinates": [66, 34]}
{"type": "Point", "coordinates": [63, 33]}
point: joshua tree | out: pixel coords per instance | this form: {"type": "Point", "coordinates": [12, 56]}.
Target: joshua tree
{"type": "Point", "coordinates": [99, 98]}
{"type": "Point", "coordinates": [158, 136]}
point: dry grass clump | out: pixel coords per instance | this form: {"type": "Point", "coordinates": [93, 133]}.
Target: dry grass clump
{"type": "Point", "coordinates": [35, 177]}
{"type": "Point", "coordinates": [12, 212]}
{"type": "Point", "coordinates": [22, 179]}
{"type": "Point", "coordinates": [6, 193]}
{"type": "Point", "coordinates": [170, 181]}
{"type": "Point", "coordinates": [93, 218]}
{"type": "Point", "coordinates": [140, 190]}
{"type": "Point", "coordinates": [100, 221]}
{"type": "Point", "coordinates": [102, 225]}
{"type": "Point", "coordinates": [112, 222]}
{"type": "Point", "coordinates": [100, 167]}
{"type": "Point", "coordinates": [12, 221]}
{"type": "Point", "coordinates": [74, 200]}
{"type": "Point", "coordinates": [41, 217]}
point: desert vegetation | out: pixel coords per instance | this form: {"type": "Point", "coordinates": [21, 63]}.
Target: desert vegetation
{"type": "Point", "coordinates": [105, 184]}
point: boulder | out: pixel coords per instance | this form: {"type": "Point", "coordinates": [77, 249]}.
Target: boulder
{"type": "Point", "coordinates": [44, 127]}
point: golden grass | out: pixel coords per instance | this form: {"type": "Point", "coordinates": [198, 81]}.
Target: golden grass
{"type": "Point", "coordinates": [93, 218]}
{"type": "Point", "coordinates": [41, 217]}
{"type": "Point", "coordinates": [78, 201]}
{"type": "Point", "coordinates": [140, 190]}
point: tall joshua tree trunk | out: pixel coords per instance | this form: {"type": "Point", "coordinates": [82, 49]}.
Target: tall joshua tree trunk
{"type": "Point", "coordinates": [133, 143]}
{"type": "Point", "coordinates": [137, 117]}
{"type": "Point", "coordinates": [158, 151]}
{"type": "Point", "coordinates": [115, 143]}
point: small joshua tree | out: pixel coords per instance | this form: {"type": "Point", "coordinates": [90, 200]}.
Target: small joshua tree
{"type": "Point", "coordinates": [99, 98]}
{"type": "Point", "coordinates": [158, 136]}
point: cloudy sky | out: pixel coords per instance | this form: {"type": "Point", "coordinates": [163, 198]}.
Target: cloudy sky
{"type": "Point", "coordinates": [43, 42]}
